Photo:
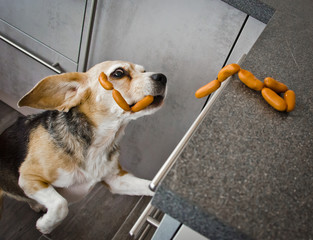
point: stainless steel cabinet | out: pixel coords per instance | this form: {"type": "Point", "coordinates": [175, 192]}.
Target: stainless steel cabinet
{"type": "Point", "coordinates": [56, 24]}
{"type": "Point", "coordinates": [170, 228]}
{"type": "Point", "coordinates": [55, 32]}
{"type": "Point", "coordinates": [19, 73]}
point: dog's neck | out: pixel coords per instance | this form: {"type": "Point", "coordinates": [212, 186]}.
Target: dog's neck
{"type": "Point", "coordinates": [108, 133]}
{"type": "Point", "coordinates": [104, 146]}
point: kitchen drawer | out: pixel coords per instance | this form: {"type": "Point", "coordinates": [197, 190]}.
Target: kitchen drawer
{"type": "Point", "coordinates": [19, 73]}
{"type": "Point", "coordinates": [37, 48]}
{"type": "Point", "coordinates": [170, 228]}
{"type": "Point", "coordinates": [56, 24]}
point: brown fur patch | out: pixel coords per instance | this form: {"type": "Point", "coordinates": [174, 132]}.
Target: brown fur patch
{"type": "Point", "coordinates": [122, 172]}
{"type": "Point", "coordinates": [42, 162]}
{"type": "Point", "coordinates": [57, 92]}
{"type": "Point", "coordinates": [107, 185]}
{"type": "Point", "coordinates": [95, 112]}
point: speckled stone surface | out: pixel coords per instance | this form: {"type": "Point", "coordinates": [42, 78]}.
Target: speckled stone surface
{"type": "Point", "coordinates": [255, 8]}
{"type": "Point", "coordinates": [247, 172]}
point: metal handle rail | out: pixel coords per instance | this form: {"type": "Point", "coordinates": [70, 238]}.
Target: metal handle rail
{"type": "Point", "coordinates": [141, 220]}
{"type": "Point", "coordinates": [31, 55]}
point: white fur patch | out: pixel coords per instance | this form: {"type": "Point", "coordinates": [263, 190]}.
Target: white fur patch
{"type": "Point", "coordinates": [139, 68]}
{"type": "Point", "coordinates": [56, 206]}
{"type": "Point", "coordinates": [124, 65]}
{"type": "Point", "coordinates": [129, 184]}
{"type": "Point", "coordinates": [73, 186]}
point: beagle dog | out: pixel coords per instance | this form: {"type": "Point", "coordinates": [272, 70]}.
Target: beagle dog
{"type": "Point", "coordinates": [55, 157]}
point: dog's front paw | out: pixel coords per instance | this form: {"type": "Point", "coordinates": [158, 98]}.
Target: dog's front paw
{"type": "Point", "coordinates": [43, 226]}
{"type": "Point", "coordinates": [149, 193]}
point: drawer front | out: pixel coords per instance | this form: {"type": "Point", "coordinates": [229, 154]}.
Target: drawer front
{"type": "Point", "coordinates": [36, 48]}
{"type": "Point", "coordinates": [57, 24]}
{"type": "Point", "coordinates": [19, 73]}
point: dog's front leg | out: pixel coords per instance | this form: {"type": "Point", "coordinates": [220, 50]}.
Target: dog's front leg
{"type": "Point", "coordinates": [57, 207]}
{"type": "Point", "coordinates": [128, 184]}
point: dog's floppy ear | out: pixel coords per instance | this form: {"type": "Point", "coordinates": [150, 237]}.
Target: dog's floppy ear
{"type": "Point", "coordinates": [60, 92]}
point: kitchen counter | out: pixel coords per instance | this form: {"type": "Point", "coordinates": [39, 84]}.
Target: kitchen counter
{"type": "Point", "coordinates": [247, 171]}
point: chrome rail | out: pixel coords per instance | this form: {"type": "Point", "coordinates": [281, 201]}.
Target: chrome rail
{"type": "Point", "coordinates": [52, 67]}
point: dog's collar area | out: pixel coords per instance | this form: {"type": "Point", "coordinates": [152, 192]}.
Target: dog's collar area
{"type": "Point", "coordinates": [148, 100]}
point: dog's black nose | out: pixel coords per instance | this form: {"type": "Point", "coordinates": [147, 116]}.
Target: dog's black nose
{"type": "Point", "coordinates": [159, 77]}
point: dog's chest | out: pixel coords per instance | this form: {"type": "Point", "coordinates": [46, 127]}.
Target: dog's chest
{"type": "Point", "coordinates": [75, 192]}
{"type": "Point", "coordinates": [76, 184]}
{"type": "Point", "coordinates": [73, 185]}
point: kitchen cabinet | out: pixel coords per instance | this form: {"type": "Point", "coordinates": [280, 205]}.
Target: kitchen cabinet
{"type": "Point", "coordinates": [170, 228]}
{"type": "Point", "coordinates": [186, 233]}
{"type": "Point", "coordinates": [56, 24]}
{"type": "Point", "coordinates": [40, 38]}
{"type": "Point", "coordinates": [19, 73]}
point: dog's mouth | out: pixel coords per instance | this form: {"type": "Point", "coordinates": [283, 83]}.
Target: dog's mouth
{"type": "Point", "coordinates": [157, 102]}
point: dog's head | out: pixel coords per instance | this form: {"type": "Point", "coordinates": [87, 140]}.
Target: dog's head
{"type": "Point", "coordinates": [65, 91]}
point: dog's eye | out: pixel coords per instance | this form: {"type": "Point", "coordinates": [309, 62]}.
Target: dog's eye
{"type": "Point", "coordinates": [118, 73]}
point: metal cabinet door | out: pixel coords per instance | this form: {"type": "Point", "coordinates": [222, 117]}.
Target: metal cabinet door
{"type": "Point", "coordinates": [19, 74]}
{"type": "Point", "coordinates": [186, 40]}
{"type": "Point", "coordinates": [57, 24]}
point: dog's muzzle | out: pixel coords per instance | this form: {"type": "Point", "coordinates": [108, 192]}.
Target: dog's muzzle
{"type": "Point", "coordinates": [160, 81]}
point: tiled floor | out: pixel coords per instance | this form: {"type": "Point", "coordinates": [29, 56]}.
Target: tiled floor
{"type": "Point", "coordinates": [101, 215]}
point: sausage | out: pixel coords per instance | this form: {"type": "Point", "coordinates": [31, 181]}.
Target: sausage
{"type": "Point", "coordinates": [250, 80]}
{"type": "Point", "coordinates": [104, 82]}
{"type": "Point", "coordinates": [274, 99]}
{"type": "Point", "coordinates": [208, 89]}
{"type": "Point", "coordinates": [275, 85]}
{"type": "Point", "coordinates": [290, 99]}
{"type": "Point", "coordinates": [228, 71]}
{"type": "Point", "coordinates": [120, 100]}
{"type": "Point", "coordinates": [143, 103]}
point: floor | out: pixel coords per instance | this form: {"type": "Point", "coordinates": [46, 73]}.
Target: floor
{"type": "Point", "coordinates": [101, 215]}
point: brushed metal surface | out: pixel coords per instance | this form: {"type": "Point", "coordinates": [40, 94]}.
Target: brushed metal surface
{"type": "Point", "coordinates": [57, 24]}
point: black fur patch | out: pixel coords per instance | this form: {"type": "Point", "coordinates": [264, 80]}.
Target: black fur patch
{"type": "Point", "coordinates": [62, 126]}
{"type": "Point", "coordinates": [13, 150]}
{"type": "Point", "coordinates": [66, 127]}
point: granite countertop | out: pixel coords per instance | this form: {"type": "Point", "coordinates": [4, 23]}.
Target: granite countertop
{"type": "Point", "coordinates": [247, 172]}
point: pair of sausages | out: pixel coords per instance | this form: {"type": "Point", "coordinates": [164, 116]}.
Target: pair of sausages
{"type": "Point", "coordinates": [212, 86]}
{"type": "Point", "coordinates": [269, 89]}
{"type": "Point", "coordinates": [119, 99]}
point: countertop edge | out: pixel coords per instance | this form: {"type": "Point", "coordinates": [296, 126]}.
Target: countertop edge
{"type": "Point", "coordinates": [193, 216]}
{"type": "Point", "coordinates": [254, 8]}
